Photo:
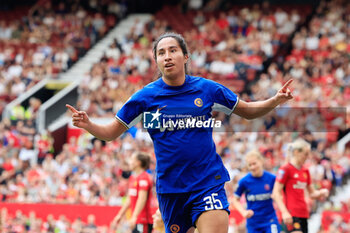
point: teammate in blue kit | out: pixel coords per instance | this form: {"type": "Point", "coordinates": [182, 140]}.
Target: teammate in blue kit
{"type": "Point", "coordinates": [190, 174]}
{"type": "Point", "coordinates": [257, 186]}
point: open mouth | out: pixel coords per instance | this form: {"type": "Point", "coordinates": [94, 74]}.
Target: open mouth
{"type": "Point", "coordinates": [169, 65]}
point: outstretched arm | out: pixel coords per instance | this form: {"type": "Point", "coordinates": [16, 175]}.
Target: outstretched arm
{"type": "Point", "coordinates": [251, 110]}
{"type": "Point", "coordinates": [106, 132]}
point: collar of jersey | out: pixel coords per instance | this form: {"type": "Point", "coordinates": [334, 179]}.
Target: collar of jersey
{"type": "Point", "coordinates": [166, 89]}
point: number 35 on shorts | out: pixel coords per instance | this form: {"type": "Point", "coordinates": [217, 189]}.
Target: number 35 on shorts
{"type": "Point", "coordinates": [212, 202]}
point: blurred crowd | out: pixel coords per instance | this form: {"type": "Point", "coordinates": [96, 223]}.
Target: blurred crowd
{"type": "Point", "coordinates": [44, 42]}
{"type": "Point", "coordinates": [336, 217]}
{"type": "Point", "coordinates": [21, 223]}
{"type": "Point", "coordinates": [225, 46]}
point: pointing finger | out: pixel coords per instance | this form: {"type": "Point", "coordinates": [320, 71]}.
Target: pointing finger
{"type": "Point", "coordinates": [71, 108]}
{"type": "Point", "coordinates": [285, 86]}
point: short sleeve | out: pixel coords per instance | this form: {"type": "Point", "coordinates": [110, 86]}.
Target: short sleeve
{"type": "Point", "coordinates": [144, 183]}
{"type": "Point", "coordinates": [224, 99]}
{"type": "Point", "coordinates": [240, 189]}
{"type": "Point", "coordinates": [282, 175]}
{"type": "Point", "coordinates": [131, 113]}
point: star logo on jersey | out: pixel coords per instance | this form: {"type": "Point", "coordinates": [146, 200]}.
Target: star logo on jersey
{"type": "Point", "coordinates": [156, 115]}
{"type": "Point", "coordinates": [151, 120]}
{"type": "Point", "coordinates": [198, 102]}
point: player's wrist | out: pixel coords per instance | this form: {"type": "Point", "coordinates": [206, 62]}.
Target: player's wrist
{"type": "Point", "coordinates": [285, 212]}
{"type": "Point", "coordinates": [89, 126]}
{"type": "Point", "coordinates": [276, 100]}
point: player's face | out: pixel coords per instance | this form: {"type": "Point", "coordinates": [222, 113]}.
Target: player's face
{"type": "Point", "coordinates": [170, 58]}
{"type": "Point", "coordinates": [255, 166]}
{"type": "Point", "coordinates": [134, 162]}
{"type": "Point", "coordinates": [303, 155]}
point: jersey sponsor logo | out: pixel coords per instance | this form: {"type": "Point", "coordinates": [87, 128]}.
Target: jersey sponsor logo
{"type": "Point", "coordinates": [259, 197]}
{"type": "Point", "coordinates": [299, 185]}
{"type": "Point", "coordinates": [174, 228]}
{"type": "Point", "coordinates": [157, 120]}
{"type": "Point", "coordinates": [143, 183]}
{"type": "Point", "coordinates": [198, 102]}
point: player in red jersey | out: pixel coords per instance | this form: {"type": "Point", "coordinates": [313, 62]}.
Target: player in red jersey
{"type": "Point", "coordinates": [139, 197]}
{"type": "Point", "coordinates": [293, 179]}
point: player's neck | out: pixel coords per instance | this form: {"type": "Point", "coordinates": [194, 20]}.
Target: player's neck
{"type": "Point", "coordinates": [138, 171]}
{"type": "Point", "coordinates": [259, 174]}
{"type": "Point", "coordinates": [295, 163]}
{"type": "Point", "coordinates": [175, 81]}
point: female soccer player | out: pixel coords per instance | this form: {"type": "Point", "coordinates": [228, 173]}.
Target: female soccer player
{"type": "Point", "coordinates": [293, 180]}
{"type": "Point", "coordinates": [140, 195]}
{"type": "Point", "coordinates": [190, 174]}
{"type": "Point", "coordinates": [257, 186]}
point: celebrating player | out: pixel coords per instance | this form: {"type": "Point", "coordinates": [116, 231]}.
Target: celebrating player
{"type": "Point", "coordinates": [139, 198]}
{"type": "Point", "coordinates": [257, 186]}
{"type": "Point", "coordinates": [190, 174]}
{"type": "Point", "coordinates": [293, 179]}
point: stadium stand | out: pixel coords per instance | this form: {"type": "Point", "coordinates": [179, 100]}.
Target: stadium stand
{"type": "Point", "coordinates": [37, 44]}
{"type": "Point", "coordinates": [241, 47]}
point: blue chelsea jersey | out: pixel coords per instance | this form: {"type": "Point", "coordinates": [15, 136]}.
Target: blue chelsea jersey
{"type": "Point", "coordinates": [258, 192]}
{"type": "Point", "coordinates": [186, 156]}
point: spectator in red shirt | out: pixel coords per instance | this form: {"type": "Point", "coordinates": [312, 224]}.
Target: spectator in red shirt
{"type": "Point", "coordinates": [140, 195]}
{"type": "Point", "coordinates": [294, 179]}
{"type": "Point", "coordinates": [222, 22]}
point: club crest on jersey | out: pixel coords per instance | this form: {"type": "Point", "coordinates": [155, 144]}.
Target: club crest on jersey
{"type": "Point", "coordinates": [267, 187]}
{"type": "Point", "coordinates": [174, 228]}
{"type": "Point", "coordinates": [198, 102]}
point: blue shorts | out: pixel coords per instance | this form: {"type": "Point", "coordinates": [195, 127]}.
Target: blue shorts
{"type": "Point", "coordinates": [180, 211]}
{"type": "Point", "coordinates": [273, 227]}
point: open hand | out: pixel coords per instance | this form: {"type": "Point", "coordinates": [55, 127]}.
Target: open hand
{"type": "Point", "coordinates": [287, 218]}
{"type": "Point", "coordinates": [132, 223]}
{"type": "Point", "coordinates": [324, 193]}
